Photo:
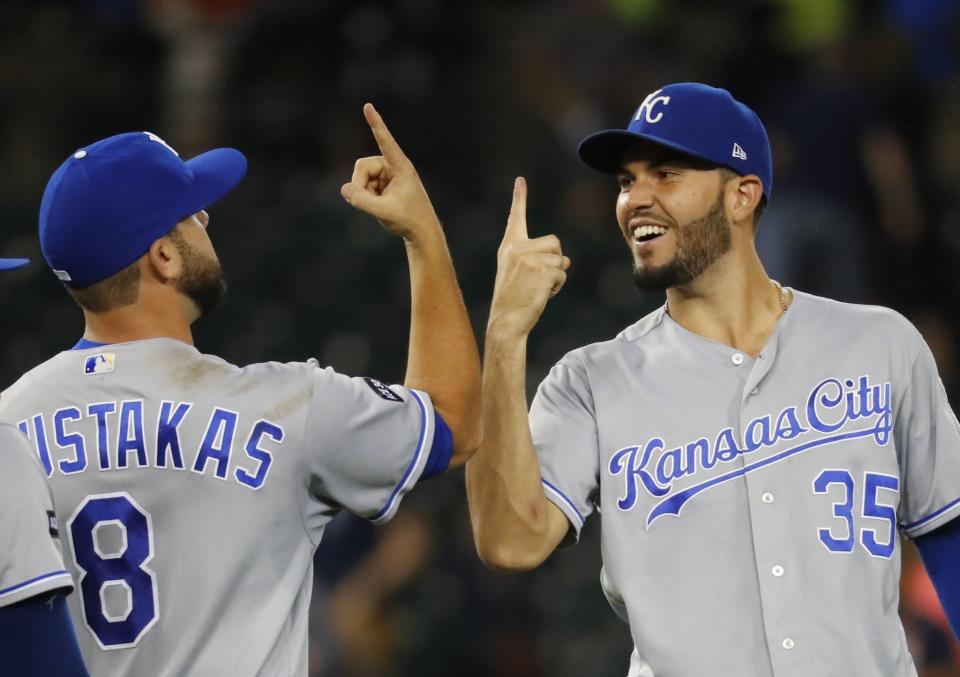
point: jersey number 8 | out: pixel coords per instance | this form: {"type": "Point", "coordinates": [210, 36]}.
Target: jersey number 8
{"type": "Point", "coordinates": [112, 542]}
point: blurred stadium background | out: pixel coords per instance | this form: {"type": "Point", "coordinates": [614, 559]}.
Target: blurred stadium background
{"type": "Point", "coordinates": [861, 100]}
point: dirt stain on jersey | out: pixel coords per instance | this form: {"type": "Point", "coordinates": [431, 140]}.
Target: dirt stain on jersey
{"type": "Point", "coordinates": [198, 374]}
{"type": "Point", "coordinates": [290, 404]}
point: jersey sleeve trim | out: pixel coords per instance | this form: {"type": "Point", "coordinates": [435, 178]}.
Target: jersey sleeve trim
{"type": "Point", "coordinates": [441, 451]}
{"type": "Point", "coordinates": [554, 495]}
{"type": "Point", "coordinates": [48, 581]}
{"type": "Point", "coordinates": [928, 523]}
{"type": "Point", "coordinates": [416, 464]}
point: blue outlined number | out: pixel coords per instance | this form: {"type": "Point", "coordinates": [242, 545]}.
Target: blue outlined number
{"type": "Point", "coordinates": [124, 567]}
{"type": "Point", "coordinates": [842, 510]}
{"type": "Point", "coordinates": [873, 507]}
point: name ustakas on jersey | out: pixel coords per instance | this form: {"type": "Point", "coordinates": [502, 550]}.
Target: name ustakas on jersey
{"type": "Point", "coordinates": [115, 436]}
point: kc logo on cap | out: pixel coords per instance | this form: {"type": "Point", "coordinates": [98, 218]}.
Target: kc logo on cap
{"type": "Point", "coordinates": [646, 108]}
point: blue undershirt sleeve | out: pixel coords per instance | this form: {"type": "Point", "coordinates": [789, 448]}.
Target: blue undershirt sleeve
{"type": "Point", "coordinates": [37, 638]}
{"type": "Point", "coordinates": [940, 551]}
{"type": "Point", "coordinates": [440, 451]}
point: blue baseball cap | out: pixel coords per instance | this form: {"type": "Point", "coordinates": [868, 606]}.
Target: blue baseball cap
{"type": "Point", "coordinates": [10, 264]}
{"type": "Point", "coordinates": [702, 121]}
{"type": "Point", "coordinates": [109, 201]}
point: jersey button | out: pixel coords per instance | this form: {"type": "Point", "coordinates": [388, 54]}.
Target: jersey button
{"type": "Point", "coordinates": [777, 571]}
{"type": "Point", "coordinates": [788, 644]}
{"type": "Point", "coordinates": [737, 359]}
{"type": "Point", "coordinates": [767, 497]}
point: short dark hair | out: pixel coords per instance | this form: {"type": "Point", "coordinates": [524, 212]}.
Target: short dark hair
{"type": "Point", "coordinates": [120, 289]}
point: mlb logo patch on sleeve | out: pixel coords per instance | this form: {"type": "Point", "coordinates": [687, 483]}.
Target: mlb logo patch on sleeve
{"type": "Point", "coordinates": [382, 389]}
{"type": "Point", "coordinates": [53, 524]}
{"type": "Point", "coordinates": [101, 363]}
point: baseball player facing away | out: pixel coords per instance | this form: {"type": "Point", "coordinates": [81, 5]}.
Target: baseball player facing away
{"type": "Point", "coordinates": [754, 450]}
{"type": "Point", "coordinates": [36, 635]}
{"type": "Point", "coordinates": [193, 492]}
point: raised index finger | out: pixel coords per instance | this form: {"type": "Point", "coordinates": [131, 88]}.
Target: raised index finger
{"type": "Point", "coordinates": [517, 221]}
{"type": "Point", "coordinates": [385, 141]}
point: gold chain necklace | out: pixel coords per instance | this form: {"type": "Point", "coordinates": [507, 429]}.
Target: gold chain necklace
{"type": "Point", "coordinates": [783, 301]}
{"type": "Point", "coordinates": [780, 297]}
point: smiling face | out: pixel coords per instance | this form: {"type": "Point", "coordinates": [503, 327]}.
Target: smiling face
{"type": "Point", "coordinates": [671, 213]}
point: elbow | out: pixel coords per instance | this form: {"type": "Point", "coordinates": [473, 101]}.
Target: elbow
{"type": "Point", "coordinates": [504, 558]}
{"type": "Point", "coordinates": [467, 436]}
{"type": "Point", "coordinates": [461, 411]}
{"type": "Point", "coordinates": [463, 452]}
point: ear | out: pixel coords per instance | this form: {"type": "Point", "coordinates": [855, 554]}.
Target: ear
{"type": "Point", "coordinates": [163, 260]}
{"type": "Point", "coordinates": [743, 195]}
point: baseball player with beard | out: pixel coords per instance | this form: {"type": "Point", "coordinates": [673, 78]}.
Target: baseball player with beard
{"type": "Point", "coordinates": [756, 451]}
{"type": "Point", "coordinates": [193, 492]}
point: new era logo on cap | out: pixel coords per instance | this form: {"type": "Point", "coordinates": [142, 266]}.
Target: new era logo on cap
{"type": "Point", "coordinates": [739, 152]}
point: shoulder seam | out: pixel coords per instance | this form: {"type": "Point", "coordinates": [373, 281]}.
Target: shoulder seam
{"type": "Point", "coordinates": [647, 331]}
{"type": "Point", "coordinates": [580, 372]}
{"type": "Point", "coordinates": [303, 475]}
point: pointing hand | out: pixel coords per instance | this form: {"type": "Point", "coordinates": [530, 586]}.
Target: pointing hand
{"type": "Point", "coordinates": [387, 186]}
{"type": "Point", "coordinates": [529, 271]}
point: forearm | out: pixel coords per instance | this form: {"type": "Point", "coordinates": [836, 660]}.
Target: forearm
{"type": "Point", "coordinates": [940, 550]}
{"type": "Point", "coordinates": [514, 525]}
{"type": "Point", "coordinates": [443, 357]}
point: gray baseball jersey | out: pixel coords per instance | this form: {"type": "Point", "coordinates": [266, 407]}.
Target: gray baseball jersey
{"type": "Point", "coordinates": [751, 507]}
{"type": "Point", "coordinates": [193, 494]}
{"type": "Point", "coordinates": [30, 558]}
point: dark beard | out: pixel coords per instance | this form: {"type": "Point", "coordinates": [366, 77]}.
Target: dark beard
{"type": "Point", "coordinates": [699, 244]}
{"type": "Point", "coordinates": [202, 281]}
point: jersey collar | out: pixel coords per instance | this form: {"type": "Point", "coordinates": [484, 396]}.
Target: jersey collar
{"type": "Point", "coordinates": [83, 344]}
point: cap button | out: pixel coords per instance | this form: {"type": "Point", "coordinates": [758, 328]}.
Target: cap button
{"type": "Point", "coordinates": [80, 154]}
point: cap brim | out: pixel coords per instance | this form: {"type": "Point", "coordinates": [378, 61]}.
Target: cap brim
{"type": "Point", "coordinates": [10, 264]}
{"type": "Point", "coordinates": [215, 173]}
{"type": "Point", "coordinates": [604, 150]}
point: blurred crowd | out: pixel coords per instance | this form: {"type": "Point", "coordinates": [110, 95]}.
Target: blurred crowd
{"type": "Point", "coordinates": [861, 99]}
